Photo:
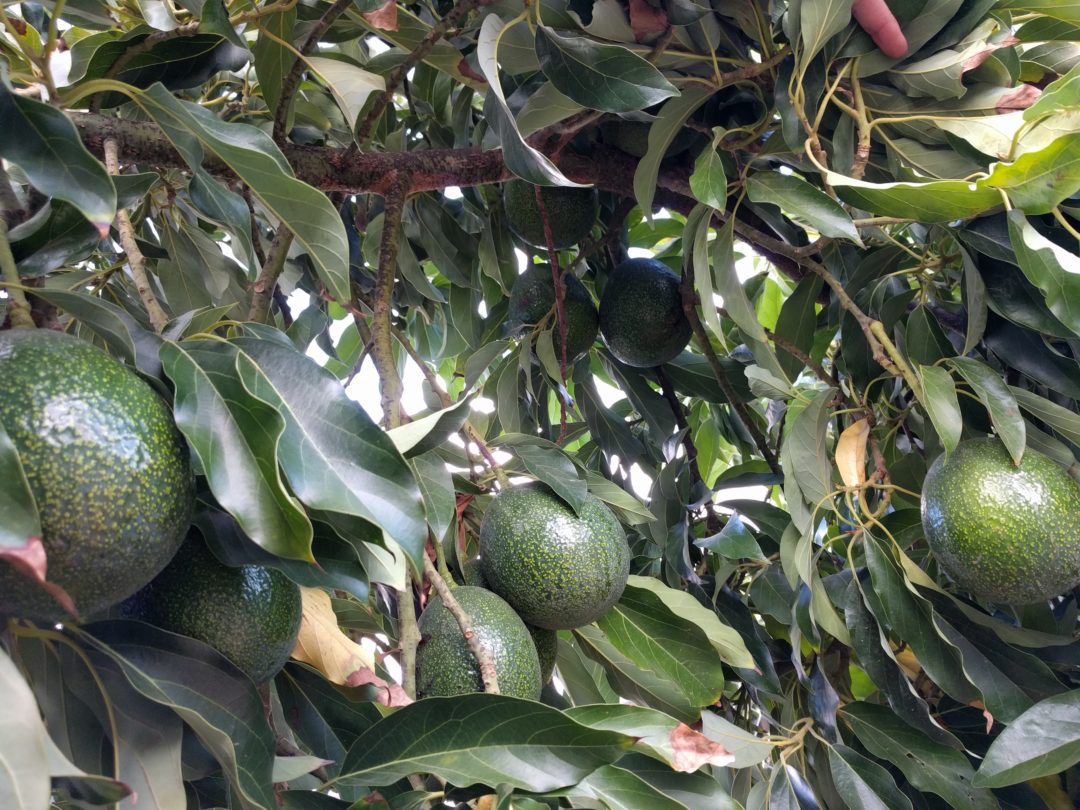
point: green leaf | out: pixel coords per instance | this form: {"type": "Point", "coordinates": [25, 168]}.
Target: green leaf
{"type": "Point", "coordinates": [803, 202]}
{"type": "Point", "coordinates": [804, 454]}
{"type": "Point", "coordinates": [1065, 10]}
{"type": "Point", "coordinates": [936, 201]}
{"type": "Point", "coordinates": [734, 542]}
{"type": "Point", "coordinates": [42, 141]}
{"type": "Point", "coordinates": [820, 21]}
{"type": "Point", "coordinates": [696, 234]}
{"type": "Point", "coordinates": [491, 739]}
{"type": "Point", "coordinates": [619, 789]}
{"type": "Point", "coordinates": [553, 467]}
{"type": "Point", "coordinates": [942, 405]}
{"type": "Point", "coordinates": [928, 766]}
{"type": "Point", "coordinates": [219, 703]}
{"type": "Point", "coordinates": [999, 401]}
{"type": "Point", "coordinates": [1049, 267]}
{"type": "Point", "coordinates": [428, 432]}
{"type": "Point", "coordinates": [1044, 740]}
{"type": "Point", "coordinates": [21, 520]}
{"type": "Point", "coordinates": [272, 60]}
{"type": "Point", "coordinates": [708, 181]}
{"type": "Point", "coordinates": [24, 766]}
{"type": "Point", "coordinates": [627, 506]}
{"type": "Point", "coordinates": [1038, 181]}
{"type": "Point", "coordinates": [258, 162]}
{"type": "Point", "coordinates": [236, 438]}
{"type": "Point", "coordinates": [335, 458]}
{"type": "Point", "coordinates": [609, 78]}
{"type": "Point", "coordinates": [1064, 421]}
{"type": "Point", "coordinates": [1061, 95]}
{"type": "Point", "coordinates": [798, 323]}
{"type": "Point", "coordinates": [350, 85]}
{"type": "Point", "coordinates": [747, 748]}
{"type": "Point", "coordinates": [669, 123]}
{"type": "Point", "coordinates": [865, 783]}
{"type": "Point", "coordinates": [438, 489]}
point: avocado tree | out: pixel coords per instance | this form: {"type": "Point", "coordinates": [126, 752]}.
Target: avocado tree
{"type": "Point", "coordinates": [866, 253]}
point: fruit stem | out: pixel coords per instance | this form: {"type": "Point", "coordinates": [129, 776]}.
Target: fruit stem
{"type": "Point", "coordinates": [18, 306]}
{"type": "Point", "coordinates": [483, 655]}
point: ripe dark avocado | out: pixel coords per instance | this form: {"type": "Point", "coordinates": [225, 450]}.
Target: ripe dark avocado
{"type": "Point", "coordinates": [533, 298]}
{"type": "Point", "coordinates": [445, 665]}
{"type": "Point", "coordinates": [249, 614]}
{"type": "Point", "coordinates": [108, 469]}
{"type": "Point", "coordinates": [1007, 534]}
{"type": "Point", "coordinates": [571, 213]}
{"type": "Point", "coordinates": [641, 314]}
{"type": "Point", "coordinates": [558, 570]}
{"type": "Point", "coordinates": [547, 649]}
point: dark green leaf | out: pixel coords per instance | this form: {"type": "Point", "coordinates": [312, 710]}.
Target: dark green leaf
{"type": "Point", "coordinates": [24, 775]}
{"type": "Point", "coordinates": [438, 489]}
{"type": "Point", "coordinates": [999, 401]}
{"type": "Point", "coordinates": [619, 789]}
{"type": "Point", "coordinates": [1049, 267]}
{"type": "Point", "coordinates": [43, 142]}
{"type": "Point", "coordinates": [236, 437]}
{"type": "Point", "coordinates": [708, 180]}
{"type": "Point", "coordinates": [669, 122]}
{"type": "Point", "coordinates": [819, 21]}
{"type": "Point", "coordinates": [804, 454]}
{"type": "Point", "coordinates": [797, 323]}
{"type": "Point", "coordinates": [798, 199]}
{"type": "Point", "coordinates": [627, 506]}
{"type": "Point", "coordinates": [428, 432]}
{"type": "Point", "coordinates": [54, 236]}
{"type": "Point", "coordinates": [942, 405]}
{"type": "Point", "coordinates": [492, 739]}
{"type": "Point", "coordinates": [272, 59]}
{"type": "Point", "coordinates": [864, 783]}
{"type": "Point", "coordinates": [1042, 741]}
{"type": "Point", "coordinates": [733, 542]}
{"type": "Point", "coordinates": [553, 467]}
{"type": "Point", "coordinates": [1064, 421]}
{"type": "Point", "coordinates": [21, 519]}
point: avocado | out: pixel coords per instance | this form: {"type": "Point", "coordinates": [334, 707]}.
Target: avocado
{"type": "Point", "coordinates": [547, 649]}
{"type": "Point", "coordinates": [532, 299]}
{"type": "Point", "coordinates": [1005, 533]}
{"type": "Point", "coordinates": [250, 614]}
{"type": "Point", "coordinates": [445, 665]}
{"type": "Point", "coordinates": [558, 570]}
{"type": "Point", "coordinates": [571, 213]}
{"type": "Point", "coordinates": [641, 314]}
{"type": "Point", "coordinates": [106, 464]}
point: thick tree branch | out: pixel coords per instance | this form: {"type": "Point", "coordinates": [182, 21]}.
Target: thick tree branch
{"type": "Point", "coordinates": [382, 346]}
{"type": "Point", "coordinates": [408, 638]}
{"type": "Point", "coordinates": [479, 651]}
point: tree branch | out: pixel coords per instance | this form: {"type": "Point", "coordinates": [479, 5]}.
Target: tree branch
{"type": "Point", "coordinates": [382, 347]}
{"type": "Point", "coordinates": [262, 292]}
{"type": "Point", "coordinates": [136, 261]}
{"type": "Point", "coordinates": [408, 637]}
{"type": "Point", "coordinates": [18, 306]}
{"type": "Point", "coordinates": [479, 651]}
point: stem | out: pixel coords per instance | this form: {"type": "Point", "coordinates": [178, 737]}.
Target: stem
{"type": "Point", "coordinates": [482, 654]}
{"type": "Point", "coordinates": [292, 79]}
{"type": "Point", "coordinates": [18, 306]}
{"type": "Point", "coordinates": [263, 289]}
{"type": "Point", "coordinates": [408, 638]}
{"type": "Point", "coordinates": [382, 347]}
{"type": "Point", "coordinates": [12, 210]}
{"type": "Point", "coordinates": [560, 299]}
{"type": "Point", "coordinates": [862, 150]}
{"type": "Point", "coordinates": [136, 261]}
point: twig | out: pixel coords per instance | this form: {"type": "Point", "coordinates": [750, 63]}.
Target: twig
{"type": "Point", "coordinates": [803, 357]}
{"type": "Point", "coordinates": [482, 654]}
{"type": "Point", "coordinates": [292, 78]}
{"type": "Point", "coordinates": [136, 261]}
{"type": "Point", "coordinates": [382, 348]}
{"type": "Point", "coordinates": [18, 306]}
{"type": "Point", "coordinates": [560, 303]}
{"type": "Point", "coordinates": [449, 21]}
{"type": "Point", "coordinates": [262, 292]}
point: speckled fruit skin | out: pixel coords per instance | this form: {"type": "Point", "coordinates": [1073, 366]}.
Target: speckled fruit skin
{"type": "Point", "coordinates": [249, 614]}
{"type": "Point", "coordinates": [547, 649]}
{"type": "Point", "coordinates": [558, 570]}
{"type": "Point", "coordinates": [571, 213]}
{"type": "Point", "coordinates": [108, 468]}
{"type": "Point", "coordinates": [1006, 534]}
{"type": "Point", "coordinates": [533, 297]}
{"type": "Point", "coordinates": [641, 314]}
{"type": "Point", "coordinates": [445, 665]}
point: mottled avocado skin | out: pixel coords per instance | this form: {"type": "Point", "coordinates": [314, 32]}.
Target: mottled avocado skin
{"type": "Point", "coordinates": [249, 614]}
{"type": "Point", "coordinates": [547, 649]}
{"type": "Point", "coordinates": [558, 570]}
{"type": "Point", "coordinates": [108, 469]}
{"type": "Point", "coordinates": [445, 665]}
{"type": "Point", "coordinates": [571, 213]}
{"type": "Point", "coordinates": [641, 314]}
{"type": "Point", "coordinates": [533, 298]}
{"type": "Point", "coordinates": [1007, 534]}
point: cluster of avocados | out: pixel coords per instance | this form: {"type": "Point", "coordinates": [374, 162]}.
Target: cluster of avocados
{"type": "Point", "coordinates": [641, 315]}
{"type": "Point", "coordinates": [113, 483]}
{"type": "Point", "coordinates": [542, 568]}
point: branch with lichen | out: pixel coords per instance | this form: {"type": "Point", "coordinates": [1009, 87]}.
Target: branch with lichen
{"type": "Point", "coordinates": [483, 656]}
{"type": "Point", "coordinates": [382, 345]}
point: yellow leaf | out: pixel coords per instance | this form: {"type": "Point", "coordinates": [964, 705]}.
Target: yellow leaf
{"type": "Point", "coordinates": [851, 453]}
{"type": "Point", "coordinates": [321, 642]}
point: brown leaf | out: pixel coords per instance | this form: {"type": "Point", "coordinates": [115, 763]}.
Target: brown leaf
{"type": "Point", "coordinates": [693, 749]}
{"type": "Point", "coordinates": [385, 18]}
{"type": "Point", "coordinates": [31, 562]}
{"type": "Point", "coordinates": [978, 704]}
{"type": "Point", "coordinates": [1020, 98]}
{"type": "Point", "coordinates": [647, 22]}
{"type": "Point", "coordinates": [851, 453]}
{"type": "Point", "coordinates": [321, 642]}
{"type": "Point", "coordinates": [390, 694]}
{"type": "Point", "coordinates": [467, 71]}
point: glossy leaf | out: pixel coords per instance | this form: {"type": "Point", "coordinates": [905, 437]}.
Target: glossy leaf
{"type": "Point", "coordinates": [936, 201]}
{"type": "Point", "coordinates": [351, 86]}
{"type": "Point", "coordinates": [864, 782]}
{"type": "Point", "coordinates": [553, 467]}
{"type": "Point", "coordinates": [1049, 267]}
{"type": "Point", "coordinates": [708, 180]}
{"type": "Point", "coordinates": [668, 124]}
{"type": "Point", "coordinates": [619, 789]}
{"type": "Point", "coordinates": [491, 739]}
{"type": "Point", "coordinates": [942, 405]}
{"type": "Point", "coordinates": [801, 201]}
{"type": "Point", "coordinates": [272, 59]}
{"type": "Point", "coordinates": [1042, 741]}
{"type": "Point", "coordinates": [428, 432]}
{"type": "Point", "coordinates": [1063, 420]}
{"type": "Point", "coordinates": [999, 401]}
{"type": "Point", "coordinates": [1038, 181]}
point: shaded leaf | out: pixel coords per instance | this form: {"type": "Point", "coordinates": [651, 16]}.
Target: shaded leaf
{"type": "Point", "coordinates": [804, 450]}
{"type": "Point", "coordinates": [801, 201]}
{"type": "Point", "coordinates": [21, 521]}
{"type": "Point", "coordinates": [936, 201]}
{"type": "Point", "coordinates": [1042, 741]}
{"type": "Point", "coordinates": [865, 783]}
{"type": "Point", "coordinates": [619, 789]}
{"type": "Point", "coordinates": [1049, 267]}
{"type": "Point", "coordinates": [669, 123]}
{"type": "Point", "coordinates": [553, 467]}
{"type": "Point", "coordinates": [350, 85]}
{"type": "Point", "coordinates": [24, 775]}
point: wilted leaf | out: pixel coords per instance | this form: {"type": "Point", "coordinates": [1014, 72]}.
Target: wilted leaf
{"type": "Point", "coordinates": [851, 453]}
{"type": "Point", "coordinates": [323, 644]}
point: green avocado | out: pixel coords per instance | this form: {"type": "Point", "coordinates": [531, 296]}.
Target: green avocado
{"type": "Point", "coordinates": [547, 649]}
{"type": "Point", "coordinates": [641, 314]}
{"type": "Point", "coordinates": [445, 665]}
{"type": "Point", "coordinates": [558, 570]}
{"type": "Point", "coordinates": [533, 299]}
{"type": "Point", "coordinates": [107, 467]}
{"type": "Point", "coordinates": [571, 213]}
{"type": "Point", "coordinates": [1005, 533]}
{"type": "Point", "coordinates": [250, 614]}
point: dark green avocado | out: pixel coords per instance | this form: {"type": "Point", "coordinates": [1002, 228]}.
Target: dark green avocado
{"type": "Point", "coordinates": [250, 614]}
{"type": "Point", "coordinates": [445, 665]}
{"type": "Point", "coordinates": [641, 314]}
{"type": "Point", "coordinates": [571, 213]}
{"type": "Point", "coordinates": [533, 299]}
{"type": "Point", "coordinates": [1005, 533]}
{"type": "Point", "coordinates": [107, 467]}
{"type": "Point", "coordinates": [547, 649]}
{"type": "Point", "coordinates": [558, 570]}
